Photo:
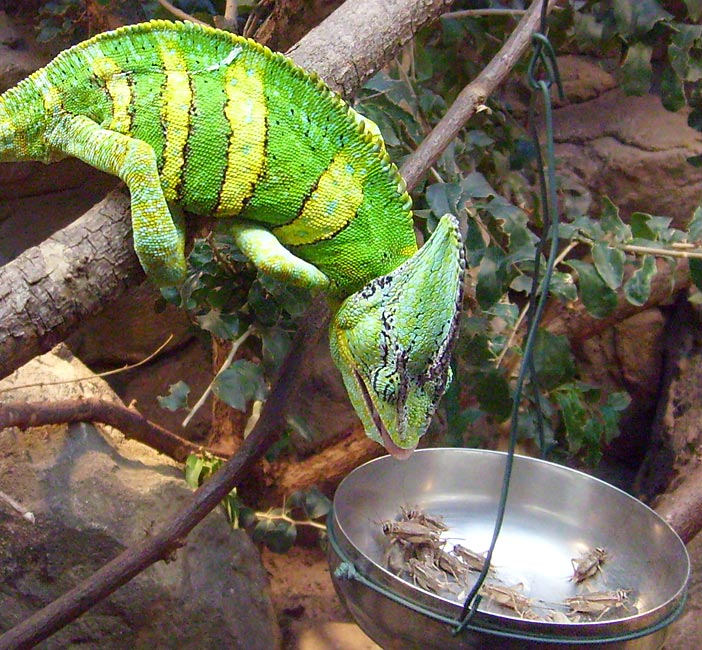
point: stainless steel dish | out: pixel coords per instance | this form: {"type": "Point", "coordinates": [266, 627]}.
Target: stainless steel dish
{"type": "Point", "coordinates": [553, 514]}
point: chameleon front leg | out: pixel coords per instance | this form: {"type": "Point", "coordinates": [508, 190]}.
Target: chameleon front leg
{"type": "Point", "coordinates": [159, 243]}
{"type": "Point", "coordinates": [268, 255]}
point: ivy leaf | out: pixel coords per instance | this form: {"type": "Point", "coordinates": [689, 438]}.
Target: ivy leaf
{"type": "Point", "coordinates": [597, 297]}
{"type": "Point", "coordinates": [610, 222]}
{"type": "Point", "coordinates": [223, 326]}
{"type": "Point", "coordinates": [672, 90]}
{"type": "Point", "coordinates": [241, 382]}
{"type": "Point", "coordinates": [636, 69]}
{"type": "Point", "coordinates": [563, 286]}
{"type": "Point", "coordinates": [316, 504]}
{"type": "Point", "coordinates": [695, 266]}
{"type": "Point", "coordinates": [177, 397]}
{"type": "Point", "coordinates": [694, 227]}
{"type": "Point", "coordinates": [637, 289]}
{"type": "Point", "coordinates": [635, 18]}
{"type": "Point", "coordinates": [640, 226]}
{"type": "Point", "coordinates": [277, 535]}
{"type": "Point", "coordinates": [492, 392]}
{"type": "Point", "coordinates": [475, 186]}
{"type": "Point", "coordinates": [553, 360]}
{"type": "Point", "coordinates": [444, 198]}
{"type": "Point", "coordinates": [609, 263]}
{"type": "Point", "coordinates": [491, 277]}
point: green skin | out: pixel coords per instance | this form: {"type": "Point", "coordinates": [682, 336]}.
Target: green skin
{"type": "Point", "coordinates": [199, 120]}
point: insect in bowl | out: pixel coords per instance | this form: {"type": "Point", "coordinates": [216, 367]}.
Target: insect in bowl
{"type": "Point", "coordinates": [559, 525]}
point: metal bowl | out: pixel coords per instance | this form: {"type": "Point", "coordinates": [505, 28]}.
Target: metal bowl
{"type": "Point", "coordinates": [554, 514]}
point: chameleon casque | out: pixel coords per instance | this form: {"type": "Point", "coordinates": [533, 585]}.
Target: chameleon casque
{"type": "Point", "coordinates": [200, 120]}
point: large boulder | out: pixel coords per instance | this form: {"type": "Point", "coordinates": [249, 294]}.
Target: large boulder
{"type": "Point", "coordinates": [93, 494]}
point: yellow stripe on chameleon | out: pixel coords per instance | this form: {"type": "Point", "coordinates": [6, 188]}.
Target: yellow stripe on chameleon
{"type": "Point", "coordinates": [120, 92]}
{"type": "Point", "coordinates": [51, 95]}
{"type": "Point", "coordinates": [176, 101]}
{"type": "Point", "coordinates": [330, 207]}
{"type": "Point", "coordinates": [246, 113]}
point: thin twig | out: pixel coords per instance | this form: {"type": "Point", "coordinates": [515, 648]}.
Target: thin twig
{"type": "Point", "coordinates": [473, 95]}
{"type": "Point", "coordinates": [477, 13]}
{"type": "Point", "coordinates": [227, 362]}
{"type": "Point", "coordinates": [18, 507]}
{"type": "Point", "coordinates": [107, 373]}
{"type": "Point", "coordinates": [179, 13]}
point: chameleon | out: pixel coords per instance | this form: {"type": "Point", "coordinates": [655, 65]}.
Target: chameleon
{"type": "Point", "coordinates": [202, 121]}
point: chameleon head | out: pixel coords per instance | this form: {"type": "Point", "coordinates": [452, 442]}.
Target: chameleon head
{"type": "Point", "coordinates": [392, 341]}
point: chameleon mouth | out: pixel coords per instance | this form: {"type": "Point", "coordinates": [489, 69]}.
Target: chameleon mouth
{"type": "Point", "coordinates": [401, 453]}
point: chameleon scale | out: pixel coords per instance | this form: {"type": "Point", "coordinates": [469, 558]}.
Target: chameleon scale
{"type": "Point", "coordinates": [214, 124]}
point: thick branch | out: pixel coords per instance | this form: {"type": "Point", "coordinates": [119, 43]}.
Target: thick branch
{"type": "Point", "coordinates": [129, 421]}
{"type": "Point", "coordinates": [682, 506]}
{"type": "Point", "coordinates": [48, 290]}
{"type": "Point", "coordinates": [472, 96]}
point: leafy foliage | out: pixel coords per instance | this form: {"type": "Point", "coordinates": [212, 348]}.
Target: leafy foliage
{"type": "Point", "coordinates": [276, 528]}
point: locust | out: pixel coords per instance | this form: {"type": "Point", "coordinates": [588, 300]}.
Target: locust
{"type": "Point", "coordinates": [588, 564]}
{"type": "Point", "coordinates": [599, 602]}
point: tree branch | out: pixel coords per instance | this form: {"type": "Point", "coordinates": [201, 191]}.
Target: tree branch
{"type": "Point", "coordinates": [129, 421]}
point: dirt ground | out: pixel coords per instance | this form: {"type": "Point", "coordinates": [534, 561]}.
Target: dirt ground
{"type": "Point", "coordinates": [310, 614]}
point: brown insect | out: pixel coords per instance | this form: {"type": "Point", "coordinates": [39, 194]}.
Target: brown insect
{"type": "Point", "coordinates": [474, 561]}
{"type": "Point", "coordinates": [410, 532]}
{"type": "Point", "coordinates": [508, 597]}
{"type": "Point", "coordinates": [434, 522]}
{"type": "Point", "coordinates": [599, 602]}
{"type": "Point", "coordinates": [587, 565]}
{"type": "Point", "coordinates": [430, 577]}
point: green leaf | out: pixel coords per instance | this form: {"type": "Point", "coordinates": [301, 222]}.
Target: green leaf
{"type": "Point", "coordinates": [193, 469]}
{"type": "Point", "coordinates": [563, 286]}
{"type": "Point", "coordinates": [695, 266]}
{"type": "Point", "coordinates": [640, 226]}
{"type": "Point", "coordinates": [443, 198]}
{"type": "Point", "coordinates": [553, 360]}
{"type": "Point", "coordinates": [610, 222]}
{"type": "Point", "coordinates": [574, 417]}
{"type": "Point", "coordinates": [275, 344]}
{"type": "Point", "coordinates": [491, 277]}
{"type": "Point", "coordinates": [635, 18]}
{"type": "Point", "coordinates": [637, 288]}
{"type": "Point", "coordinates": [609, 263]}
{"type": "Point", "coordinates": [278, 536]}
{"type": "Point", "coordinates": [672, 90]}
{"type": "Point", "coordinates": [177, 397]}
{"type": "Point", "coordinates": [316, 504]}
{"type": "Point", "coordinates": [694, 227]}
{"type": "Point", "coordinates": [241, 382]}
{"type": "Point", "coordinates": [492, 391]}
{"type": "Point", "coordinates": [223, 326]}
{"type": "Point", "coordinates": [636, 69]}
{"type": "Point", "coordinates": [598, 298]}
{"type": "Point", "coordinates": [475, 186]}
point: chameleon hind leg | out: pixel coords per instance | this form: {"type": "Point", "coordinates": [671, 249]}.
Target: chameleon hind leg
{"type": "Point", "coordinates": [158, 241]}
{"type": "Point", "coordinates": [269, 256]}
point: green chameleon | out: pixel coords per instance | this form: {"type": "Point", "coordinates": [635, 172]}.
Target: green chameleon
{"type": "Point", "coordinates": [200, 120]}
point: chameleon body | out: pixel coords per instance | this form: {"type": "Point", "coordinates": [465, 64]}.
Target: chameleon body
{"type": "Point", "coordinates": [199, 120]}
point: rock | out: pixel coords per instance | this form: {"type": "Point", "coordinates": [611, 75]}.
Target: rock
{"type": "Point", "coordinates": [93, 494]}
